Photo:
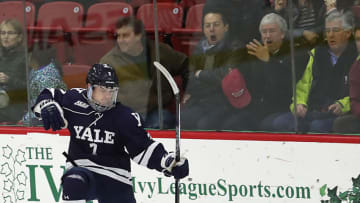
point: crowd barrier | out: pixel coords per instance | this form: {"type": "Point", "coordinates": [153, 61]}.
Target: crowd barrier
{"type": "Point", "coordinates": [224, 167]}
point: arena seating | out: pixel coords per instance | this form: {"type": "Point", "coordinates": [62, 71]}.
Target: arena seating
{"type": "Point", "coordinates": [74, 75]}
{"type": "Point", "coordinates": [15, 10]}
{"type": "Point", "coordinates": [96, 38]}
{"type": "Point", "coordinates": [185, 39]}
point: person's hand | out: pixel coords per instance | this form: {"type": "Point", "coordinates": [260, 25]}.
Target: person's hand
{"type": "Point", "coordinates": [255, 48]}
{"type": "Point", "coordinates": [301, 110]}
{"type": "Point", "coordinates": [310, 36]}
{"type": "Point", "coordinates": [335, 109]}
{"type": "Point", "coordinates": [178, 169]}
{"type": "Point", "coordinates": [52, 116]}
{"type": "Point", "coordinates": [3, 78]}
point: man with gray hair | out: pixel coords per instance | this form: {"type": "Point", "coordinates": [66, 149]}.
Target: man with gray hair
{"type": "Point", "coordinates": [323, 92]}
{"type": "Point", "coordinates": [272, 74]}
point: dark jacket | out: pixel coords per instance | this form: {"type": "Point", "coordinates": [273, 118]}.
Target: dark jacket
{"type": "Point", "coordinates": [12, 63]}
{"type": "Point", "coordinates": [272, 81]}
{"type": "Point", "coordinates": [138, 89]}
{"type": "Point", "coordinates": [330, 83]}
{"type": "Point", "coordinates": [207, 89]}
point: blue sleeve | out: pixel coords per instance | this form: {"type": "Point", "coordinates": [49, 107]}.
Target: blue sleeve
{"type": "Point", "coordinates": [142, 148]}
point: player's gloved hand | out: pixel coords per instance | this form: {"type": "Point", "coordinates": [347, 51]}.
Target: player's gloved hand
{"type": "Point", "coordinates": [178, 169]}
{"type": "Point", "coordinates": [52, 116]}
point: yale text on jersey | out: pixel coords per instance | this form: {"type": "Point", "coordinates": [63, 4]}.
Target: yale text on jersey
{"type": "Point", "coordinates": [94, 135]}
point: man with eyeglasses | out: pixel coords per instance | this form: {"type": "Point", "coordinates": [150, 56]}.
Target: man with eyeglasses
{"type": "Point", "coordinates": [323, 92]}
{"type": "Point", "coordinates": [272, 73]}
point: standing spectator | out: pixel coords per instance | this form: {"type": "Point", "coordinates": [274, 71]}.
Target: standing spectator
{"type": "Point", "coordinates": [213, 58]}
{"type": "Point", "coordinates": [45, 73]}
{"type": "Point", "coordinates": [12, 70]}
{"type": "Point", "coordinates": [322, 93]}
{"type": "Point", "coordinates": [272, 73]}
{"type": "Point", "coordinates": [350, 123]}
{"type": "Point", "coordinates": [133, 57]}
{"type": "Point", "coordinates": [308, 25]}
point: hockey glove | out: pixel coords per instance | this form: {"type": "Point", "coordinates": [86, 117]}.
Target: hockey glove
{"type": "Point", "coordinates": [52, 116]}
{"type": "Point", "coordinates": [172, 168]}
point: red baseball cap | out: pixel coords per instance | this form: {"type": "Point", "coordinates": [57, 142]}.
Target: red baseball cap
{"type": "Point", "coordinates": [234, 88]}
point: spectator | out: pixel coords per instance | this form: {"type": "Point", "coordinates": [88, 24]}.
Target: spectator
{"type": "Point", "coordinates": [45, 73]}
{"type": "Point", "coordinates": [243, 16]}
{"type": "Point", "coordinates": [308, 23]}
{"type": "Point", "coordinates": [212, 59]}
{"type": "Point", "coordinates": [133, 57]}
{"type": "Point", "coordinates": [350, 123]}
{"type": "Point", "coordinates": [322, 93]}
{"type": "Point", "coordinates": [272, 80]}
{"type": "Point", "coordinates": [12, 70]}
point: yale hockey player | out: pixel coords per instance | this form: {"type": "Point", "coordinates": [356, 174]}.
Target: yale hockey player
{"type": "Point", "coordinates": [104, 136]}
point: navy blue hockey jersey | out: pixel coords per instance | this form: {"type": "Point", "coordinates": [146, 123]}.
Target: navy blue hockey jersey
{"type": "Point", "coordinates": [105, 142]}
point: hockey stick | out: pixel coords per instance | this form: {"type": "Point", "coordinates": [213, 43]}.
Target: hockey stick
{"type": "Point", "coordinates": [176, 91]}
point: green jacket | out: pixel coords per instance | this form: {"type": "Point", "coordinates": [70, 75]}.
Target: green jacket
{"type": "Point", "coordinates": [321, 84]}
{"type": "Point", "coordinates": [138, 88]}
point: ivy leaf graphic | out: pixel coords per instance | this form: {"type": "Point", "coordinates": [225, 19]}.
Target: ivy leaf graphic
{"type": "Point", "coordinates": [5, 169]}
{"type": "Point", "coordinates": [20, 157]}
{"type": "Point", "coordinates": [21, 178]}
{"type": "Point", "coordinates": [8, 185]}
{"type": "Point", "coordinates": [7, 199]}
{"type": "Point", "coordinates": [323, 190]}
{"type": "Point", "coordinates": [20, 194]}
{"type": "Point", "coordinates": [343, 195]}
{"type": "Point", "coordinates": [356, 181]}
{"type": "Point", "coordinates": [7, 151]}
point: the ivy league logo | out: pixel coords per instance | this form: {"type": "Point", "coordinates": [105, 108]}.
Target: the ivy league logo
{"type": "Point", "coordinates": [12, 174]}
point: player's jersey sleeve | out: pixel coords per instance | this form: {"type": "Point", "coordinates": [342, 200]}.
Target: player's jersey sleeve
{"type": "Point", "coordinates": [141, 147]}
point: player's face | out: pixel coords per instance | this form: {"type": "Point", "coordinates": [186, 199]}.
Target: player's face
{"type": "Point", "coordinates": [104, 96]}
{"type": "Point", "coordinates": [128, 41]}
{"type": "Point", "coordinates": [272, 35]}
{"type": "Point", "coordinates": [9, 37]}
{"type": "Point", "coordinates": [214, 28]}
{"type": "Point", "coordinates": [336, 36]}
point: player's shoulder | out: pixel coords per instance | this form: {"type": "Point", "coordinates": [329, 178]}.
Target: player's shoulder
{"type": "Point", "coordinates": [75, 99]}
{"type": "Point", "coordinates": [126, 115]}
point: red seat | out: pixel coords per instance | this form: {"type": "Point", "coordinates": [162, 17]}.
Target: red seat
{"type": "Point", "coordinates": [74, 75]}
{"type": "Point", "coordinates": [61, 14]}
{"type": "Point", "coordinates": [170, 16]}
{"type": "Point", "coordinates": [185, 39]}
{"type": "Point", "coordinates": [189, 3]}
{"type": "Point", "coordinates": [95, 39]}
{"type": "Point", "coordinates": [15, 10]}
{"type": "Point", "coordinates": [55, 21]}
{"type": "Point", "coordinates": [106, 14]}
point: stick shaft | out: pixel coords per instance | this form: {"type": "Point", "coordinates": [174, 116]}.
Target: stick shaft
{"type": "Point", "coordinates": [177, 145]}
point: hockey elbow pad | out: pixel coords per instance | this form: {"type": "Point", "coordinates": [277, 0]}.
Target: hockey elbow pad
{"type": "Point", "coordinates": [178, 169]}
{"type": "Point", "coordinates": [52, 116]}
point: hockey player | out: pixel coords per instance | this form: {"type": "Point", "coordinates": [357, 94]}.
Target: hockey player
{"type": "Point", "coordinates": [104, 136]}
